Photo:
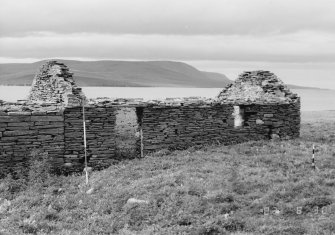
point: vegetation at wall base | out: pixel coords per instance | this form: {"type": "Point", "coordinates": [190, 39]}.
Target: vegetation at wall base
{"type": "Point", "coordinates": [259, 187]}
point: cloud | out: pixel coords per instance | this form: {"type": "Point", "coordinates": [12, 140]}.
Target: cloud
{"type": "Point", "coordinates": [236, 30]}
{"type": "Point", "coordinates": [166, 17]}
{"type": "Point", "coordinates": [295, 47]}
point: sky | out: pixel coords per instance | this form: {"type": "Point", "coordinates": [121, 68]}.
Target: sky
{"type": "Point", "coordinates": [293, 39]}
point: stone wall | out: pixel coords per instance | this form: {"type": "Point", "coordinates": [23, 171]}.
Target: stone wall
{"type": "Point", "coordinates": [100, 136]}
{"type": "Point", "coordinates": [57, 132]}
{"type": "Point", "coordinates": [174, 127]}
{"type": "Point", "coordinates": [179, 127]}
{"type": "Point", "coordinates": [22, 132]}
{"type": "Point", "coordinates": [114, 127]}
{"type": "Point", "coordinates": [280, 121]}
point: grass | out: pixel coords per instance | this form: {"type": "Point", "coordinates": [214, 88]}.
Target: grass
{"type": "Point", "coordinates": [212, 190]}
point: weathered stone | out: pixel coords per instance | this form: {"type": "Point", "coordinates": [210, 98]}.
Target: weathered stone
{"type": "Point", "coordinates": [259, 122]}
{"type": "Point", "coordinates": [268, 123]}
{"type": "Point", "coordinates": [13, 128]}
{"type": "Point", "coordinates": [21, 124]}
{"type": "Point", "coordinates": [90, 191]}
{"type": "Point", "coordinates": [44, 137]}
{"type": "Point", "coordinates": [275, 136]}
{"type": "Point", "coordinates": [51, 131]}
{"type": "Point", "coordinates": [39, 113]}
{"type": "Point", "coordinates": [47, 118]}
{"type": "Point", "coordinates": [15, 119]}
{"type": "Point", "coordinates": [17, 133]}
{"type": "Point", "coordinates": [19, 113]}
{"type": "Point", "coordinates": [71, 156]}
{"type": "Point", "coordinates": [137, 201]}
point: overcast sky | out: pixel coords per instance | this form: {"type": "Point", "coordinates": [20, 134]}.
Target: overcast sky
{"type": "Point", "coordinates": [293, 38]}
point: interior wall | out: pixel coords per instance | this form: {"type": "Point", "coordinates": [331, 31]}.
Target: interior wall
{"type": "Point", "coordinates": [169, 127]}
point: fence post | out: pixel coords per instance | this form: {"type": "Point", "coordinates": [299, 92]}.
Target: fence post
{"type": "Point", "coordinates": [313, 158]}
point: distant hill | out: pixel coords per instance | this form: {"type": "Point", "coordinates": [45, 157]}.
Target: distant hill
{"type": "Point", "coordinates": [120, 73]}
{"type": "Point", "coordinates": [123, 74]}
{"type": "Point", "coordinates": [304, 87]}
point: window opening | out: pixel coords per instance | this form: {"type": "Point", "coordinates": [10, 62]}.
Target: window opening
{"type": "Point", "coordinates": [238, 116]}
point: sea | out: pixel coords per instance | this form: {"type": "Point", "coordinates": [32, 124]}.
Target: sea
{"type": "Point", "coordinates": [311, 99]}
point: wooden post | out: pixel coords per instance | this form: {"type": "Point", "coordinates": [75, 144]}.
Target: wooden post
{"type": "Point", "coordinates": [141, 136]}
{"type": "Point", "coordinates": [85, 147]}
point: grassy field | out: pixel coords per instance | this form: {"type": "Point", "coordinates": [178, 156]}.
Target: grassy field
{"type": "Point", "coordinates": [263, 187]}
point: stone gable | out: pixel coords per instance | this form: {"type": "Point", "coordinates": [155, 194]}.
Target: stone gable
{"type": "Point", "coordinates": [260, 87]}
{"type": "Point", "coordinates": [55, 84]}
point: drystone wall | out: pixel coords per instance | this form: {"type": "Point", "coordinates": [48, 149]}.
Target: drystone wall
{"type": "Point", "coordinates": [171, 127]}
{"type": "Point", "coordinates": [21, 132]}
{"type": "Point", "coordinates": [100, 136]}
{"type": "Point", "coordinates": [280, 121]}
{"type": "Point", "coordinates": [58, 133]}
{"type": "Point", "coordinates": [184, 126]}
{"type": "Point", "coordinates": [151, 125]}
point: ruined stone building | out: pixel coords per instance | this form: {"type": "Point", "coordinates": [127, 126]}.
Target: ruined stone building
{"type": "Point", "coordinates": [262, 100]}
{"type": "Point", "coordinates": [256, 106]}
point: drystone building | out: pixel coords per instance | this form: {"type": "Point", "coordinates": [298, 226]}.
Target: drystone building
{"type": "Point", "coordinates": [257, 106]}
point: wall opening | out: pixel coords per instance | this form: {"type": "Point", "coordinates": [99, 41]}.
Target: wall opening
{"type": "Point", "coordinates": [127, 133]}
{"type": "Point", "coordinates": [238, 115]}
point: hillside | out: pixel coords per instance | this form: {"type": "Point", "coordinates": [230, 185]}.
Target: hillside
{"type": "Point", "coordinates": [260, 187]}
{"type": "Point", "coordinates": [120, 74]}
